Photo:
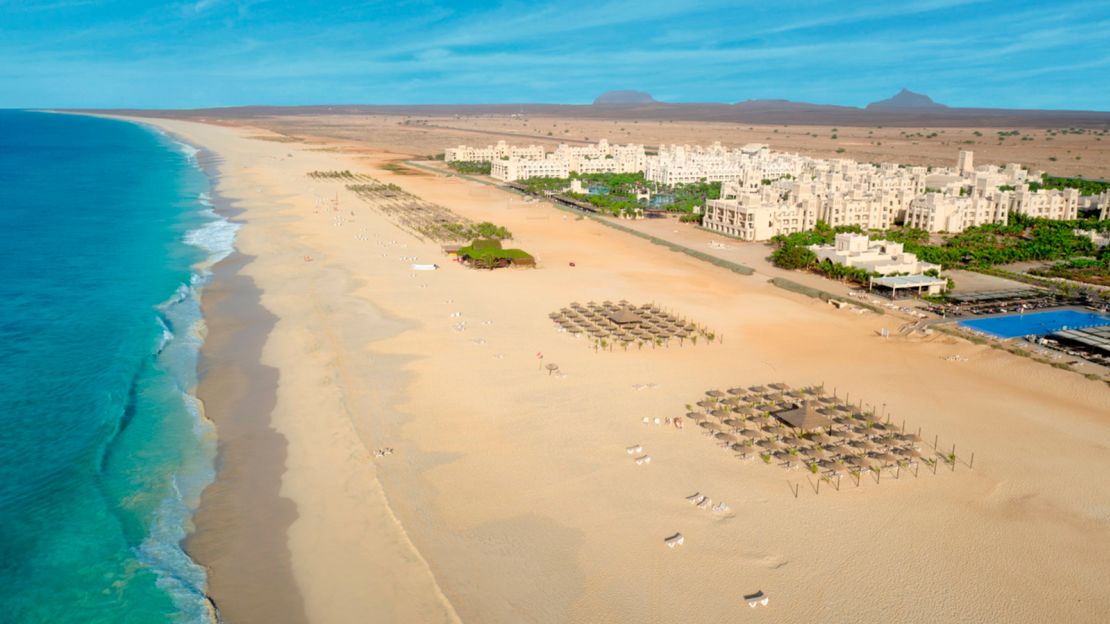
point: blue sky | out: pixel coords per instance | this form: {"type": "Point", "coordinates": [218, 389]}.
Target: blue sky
{"type": "Point", "coordinates": [133, 53]}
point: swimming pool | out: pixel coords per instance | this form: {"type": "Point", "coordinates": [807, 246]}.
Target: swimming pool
{"type": "Point", "coordinates": [1035, 323]}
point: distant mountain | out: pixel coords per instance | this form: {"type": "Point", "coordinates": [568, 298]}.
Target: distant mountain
{"type": "Point", "coordinates": [784, 105]}
{"type": "Point", "coordinates": [905, 100]}
{"type": "Point", "coordinates": [624, 98]}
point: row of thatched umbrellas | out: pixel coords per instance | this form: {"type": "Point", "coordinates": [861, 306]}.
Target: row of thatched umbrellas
{"type": "Point", "coordinates": [851, 441]}
{"type": "Point", "coordinates": [622, 322]}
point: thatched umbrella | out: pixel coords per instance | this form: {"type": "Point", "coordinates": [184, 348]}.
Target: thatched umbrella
{"type": "Point", "coordinates": [737, 391]}
{"type": "Point", "coordinates": [821, 437]}
{"type": "Point", "coordinates": [843, 450]}
{"type": "Point", "coordinates": [696, 416]}
{"type": "Point", "coordinates": [707, 404]}
{"type": "Point", "coordinates": [727, 437]}
{"type": "Point", "coordinates": [745, 410]}
{"type": "Point", "coordinates": [757, 389]}
{"type": "Point", "coordinates": [888, 459]}
{"type": "Point", "coordinates": [715, 426]}
{"type": "Point", "coordinates": [816, 452]}
{"type": "Point", "coordinates": [716, 394]}
{"type": "Point", "coordinates": [719, 414]}
{"type": "Point", "coordinates": [779, 386]}
{"type": "Point", "coordinates": [859, 462]}
{"type": "Point", "coordinates": [751, 433]}
{"type": "Point", "coordinates": [733, 422]}
{"type": "Point", "coordinates": [795, 462]}
{"type": "Point", "coordinates": [911, 438]}
{"type": "Point", "coordinates": [768, 444]}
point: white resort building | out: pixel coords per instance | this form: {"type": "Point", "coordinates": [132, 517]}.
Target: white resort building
{"type": "Point", "coordinates": [490, 153]}
{"type": "Point", "coordinates": [875, 256]}
{"type": "Point", "coordinates": [766, 193]}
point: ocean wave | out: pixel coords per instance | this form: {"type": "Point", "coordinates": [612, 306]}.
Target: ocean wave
{"type": "Point", "coordinates": [216, 237]}
{"type": "Point", "coordinates": [178, 575]}
{"type": "Point", "coordinates": [189, 151]}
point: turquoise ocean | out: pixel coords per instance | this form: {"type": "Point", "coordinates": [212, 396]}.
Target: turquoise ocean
{"type": "Point", "coordinates": [106, 235]}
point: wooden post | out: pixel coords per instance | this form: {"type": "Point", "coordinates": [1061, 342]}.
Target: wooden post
{"type": "Point", "coordinates": [971, 464]}
{"type": "Point", "coordinates": [953, 458]}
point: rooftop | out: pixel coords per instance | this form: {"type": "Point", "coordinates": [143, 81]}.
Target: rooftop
{"type": "Point", "coordinates": [909, 281]}
{"type": "Point", "coordinates": [804, 417]}
{"type": "Point", "coordinates": [1097, 338]}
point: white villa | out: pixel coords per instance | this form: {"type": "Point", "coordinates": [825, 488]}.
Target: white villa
{"type": "Point", "coordinates": [875, 256]}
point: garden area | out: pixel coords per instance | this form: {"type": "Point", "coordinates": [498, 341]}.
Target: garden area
{"type": "Point", "coordinates": [489, 254]}
{"type": "Point", "coordinates": [618, 194]}
{"type": "Point", "coordinates": [472, 168]}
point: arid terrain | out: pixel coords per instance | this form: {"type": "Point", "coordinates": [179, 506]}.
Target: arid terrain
{"type": "Point", "coordinates": [1058, 151]}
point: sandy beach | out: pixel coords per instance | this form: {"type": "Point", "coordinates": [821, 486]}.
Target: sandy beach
{"type": "Point", "coordinates": [509, 496]}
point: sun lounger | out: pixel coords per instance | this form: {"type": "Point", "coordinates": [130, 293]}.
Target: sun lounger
{"type": "Point", "coordinates": [694, 498]}
{"type": "Point", "coordinates": [757, 599]}
{"type": "Point", "coordinates": [632, 450]}
{"type": "Point", "coordinates": [646, 459]}
{"type": "Point", "coordinates": [674, 540]}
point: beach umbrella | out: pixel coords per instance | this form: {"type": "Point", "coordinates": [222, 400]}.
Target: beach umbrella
{"type": "Point", "coordinates": [706, 403]}
{"type": "Point", "coordinates": [734, 422]}
{"type": "Point", "coordinates": [695, 416]}
{"type": "Point", "coordinates": [743, 409]}
{"type": "Point", "coordinates": [737, 391]}
{"type": "Point", "coordinates": [859, 461]}
{"type": "Point", "coordinates": [795, 462]}
{"type": "Point", "coordinates": [727, 437]}
{"type": "Point", "coordinates": [716, 394]}
{"type": "Point", "coordinates": [751, 433]}
{"type": "Point", "coordinates": [767, 443]}
{"type": "Point", "coordinates": [778, 386]}
{"type": "Point", "coordinates": [816, 452]}
{"type": "Point", "coordinates": [715, 426]}
{"type": "Point", "coordinates": [888, 459]}
{"type": "Point", "coordinates": [821, 437]}
{"type": "Point", "coordinates": [720, 414]}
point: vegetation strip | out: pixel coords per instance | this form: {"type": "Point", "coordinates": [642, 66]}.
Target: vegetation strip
{"type": "Point", "coordinates": [808, 291]}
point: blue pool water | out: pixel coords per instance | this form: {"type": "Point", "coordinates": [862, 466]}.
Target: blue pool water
{"type": "Point", "coordinates": [106, 234]}
{"type": "Point", "coordinates": [1035, 323]}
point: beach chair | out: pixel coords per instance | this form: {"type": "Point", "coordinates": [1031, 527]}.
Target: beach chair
{"type": "Point", "coordinates": [674, 540]}
{"type": "Point", "coordinates": [757, 599]}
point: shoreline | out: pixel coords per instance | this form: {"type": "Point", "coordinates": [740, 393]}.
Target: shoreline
{"type": "Point", "coordinates": [241, 522]}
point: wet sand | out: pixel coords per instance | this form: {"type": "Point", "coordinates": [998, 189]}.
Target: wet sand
{"type": "Point", "coordinates": [243, 519]}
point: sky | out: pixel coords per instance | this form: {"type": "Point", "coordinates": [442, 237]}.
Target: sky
{"type": "Point", "coordinates": [149, 54]}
